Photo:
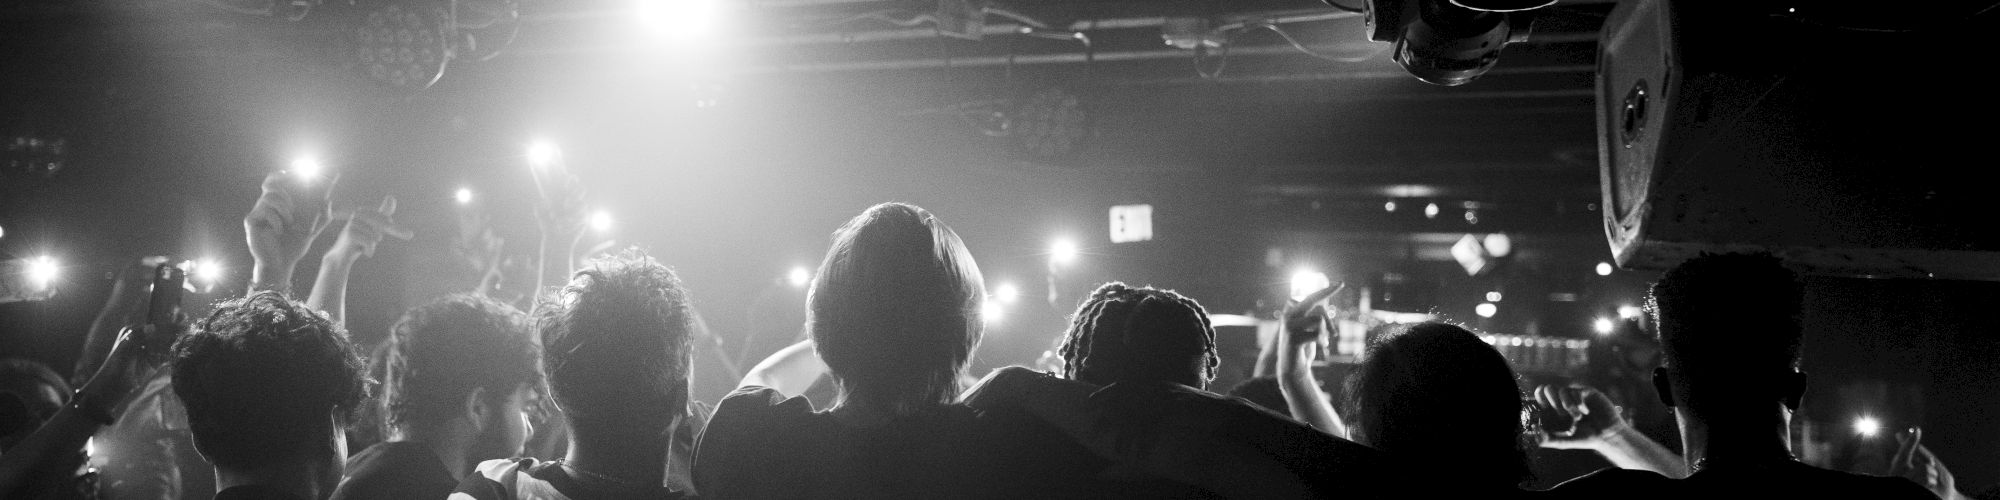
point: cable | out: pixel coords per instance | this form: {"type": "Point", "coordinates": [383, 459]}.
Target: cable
{"type": "Point", "coordinates": [1337, 5]}
{"type": "Point", "coordinates": [1016, 16]}
{"type": "Point", "coordinates": [1309, 51]}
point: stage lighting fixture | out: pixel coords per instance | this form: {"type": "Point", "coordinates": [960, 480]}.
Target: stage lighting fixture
{"type": "Point", "coordinates": [1389, 207]}
{"type": "Point", "coordinates": [600, 220]}
{"type": "Point", "coordinates": [1486, 309]}
{"type": "Point", "coordinates": [1051, 125]}
{"type": "Point", "coordinates": [207, 272]}
{"type": "Point", "coordinates": [1604, 269]}
{"type": "Point", "coordinates": [543, 154]}
{"type": "Point", "coordinates": [1498, 245]}
{"type": "Point", "coordinates": [1450, 42]}
{"type": "Point", "coordinates": [463, 196]}
{"type": "Point", "coordinates": [1007, 293]}
{"type": "Point", "coordinates": [799, 277]}
{"type": "Point", "coordinates": [1063, 252]}
{"type": "Point", "coordinates": [403, 45]}
{"type": "Point", "coordinates": [1629, 312]}
{"type": "Point", "coordinates": [1431, 211]}
{"type": "Point", "coordinates": [1305, 282]}
{"type": "Point", "coordinates": [42, 271]}
{"type": "Point", "coordinates": [1867, 426]}
{"type": "Point", "coordinates": [1493, 296]}
{"type": "Point", "coordinates": [307, 168]}
{"type": "Point", "coordinates": [1604, 326]}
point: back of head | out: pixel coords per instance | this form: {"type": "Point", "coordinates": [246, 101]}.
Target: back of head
{"type": "Point", "coordinates": [262, 378]}
{"type": "Point", "coordinates": [616, 346]}
{"type": "Point", "coordinates": [1437, 396]}
{"type": "Point", "coordinates": [1729, 321]}
{"type": "Point", "coordinates": [1139, 334]}
{"type": "Point", "coordinates": [895, 309]}
{"type": "Point", "coordinates": [30, 393]}
{"type": "Point", "coordinates": [439, 352]}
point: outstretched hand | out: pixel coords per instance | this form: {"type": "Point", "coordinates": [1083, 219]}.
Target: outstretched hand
{"type": "Point", "coordinates": [286, 218]}
{"type": "Point", "coordinates": [139, 352]}
{"type": "Point", "coordinates": [1306, 324]}
{"type": "Point", "coordinates": [1915, 462]}
{"type": "Point", "coordinates": [366, 228]}
{"type": "Point", "coordinates": [1592, 414]}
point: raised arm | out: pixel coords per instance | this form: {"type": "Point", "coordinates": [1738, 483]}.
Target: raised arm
{"type": "Point", "coordinates": [790, 371]}
{"type": "Point", "coordinates": [282, 225]}
{"type": "Point", "coordinates": [1305, 330]}
{"type": "Point", "coordinates": [1599, 427]}
{"type": "Point", "coordinates": [365, 229]}
{"type": "Point", "coordinates": [128, 298]}
{"type": "Point", "coordinates": [132, 360]}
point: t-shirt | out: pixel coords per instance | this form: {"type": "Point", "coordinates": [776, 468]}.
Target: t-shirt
{"type": "Point", "coordinates": [1782, 480]}
{"type": "Point", "coordinates": [763, 445]}
{"type": "Point", "coordinates": [255, 492]}
{"type": "Point", "coordinates": [393, 471]}
{"type": "Point", "coordinates": [530, 479]}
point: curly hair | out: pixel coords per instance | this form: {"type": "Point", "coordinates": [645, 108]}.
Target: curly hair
{"type": "Point", "coordinates": [259, 373]}
{"type": "Point", "coordinates": [615, 344]}
{"type": "Point", "coordinates": [1731, 318]}
{"type": "Point", "coordinates": [441, 351]}
{"type": "Point", "coordinates": [895, 309]}
{"type": "Point", "coordinates": [1122, 333]}
{"type": "Point", "coordinates": [1438, 396]}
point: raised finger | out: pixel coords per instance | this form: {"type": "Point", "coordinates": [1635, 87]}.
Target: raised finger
{"type": "Point", "coordinates": [388, 205]}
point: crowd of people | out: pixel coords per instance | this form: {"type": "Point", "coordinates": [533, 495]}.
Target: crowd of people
{"type": "Point", "coordinates": [586, 394]}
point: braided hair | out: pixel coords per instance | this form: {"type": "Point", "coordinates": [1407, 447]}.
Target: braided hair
{"type": "Point", "coordinates": [1122, 333]}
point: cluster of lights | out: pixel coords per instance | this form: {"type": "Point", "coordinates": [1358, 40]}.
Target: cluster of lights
{"type": "Point", "coordinates": [404, 48]}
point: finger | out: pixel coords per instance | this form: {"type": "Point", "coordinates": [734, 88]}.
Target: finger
{"type": "Point", "coordinates": [1906, 448]}
{"type": "Point", "coordinates": [1543, 396]}
{"type": "Point", "coordinates": [1319, 295]}
{"type": "Point", "coordinates": [388, 205]}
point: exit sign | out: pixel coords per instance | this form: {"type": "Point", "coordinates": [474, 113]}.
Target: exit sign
{"type": "Point", "coordinates": [1131, 223]}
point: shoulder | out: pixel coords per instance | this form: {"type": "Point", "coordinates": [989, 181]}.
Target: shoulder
{"type": "Point", "coordinates": [759, 402]}
{"type": "Point", "coordinates": [492, 479]}
{"type": "Point", "coordinates": [394, 470]}
{"type": "Point", "coordinates": [745, 440]}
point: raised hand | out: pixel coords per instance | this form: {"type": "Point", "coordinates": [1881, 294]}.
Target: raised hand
{"type": "Point", "coordinates": [1593, 414]}
{"type": "Point", "coordinates": [366, 228]}
{"type": "Point", "coordinates": [282, 225]}
{"type": "Point", "coordinates": [1915, 462]}
{"type": "Point", "coordinates": [1299, 342]}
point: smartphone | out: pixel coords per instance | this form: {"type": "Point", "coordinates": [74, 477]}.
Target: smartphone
{"type": "Point", "coordinates": [168, 280]}
{"type": "Point", "coordinates": [1548, 419]}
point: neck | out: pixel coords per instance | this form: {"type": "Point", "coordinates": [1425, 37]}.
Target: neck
{"type": "Point", "coordinates": [638, 459]}
{"type": "Point", "coordinates": [1764, 437]}
{"type": "Point", "coordinates": [447, 443]}
{"type": "Point", "coordinates": [297, 478]}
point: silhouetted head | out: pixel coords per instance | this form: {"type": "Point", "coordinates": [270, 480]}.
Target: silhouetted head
{"type": "Point", "coordinates": [30, 393]}
{"type": "Point", "coordinates": [1127, 334]}
{"type": "Point", "coordinates": [1439, 398]}
{"type": "Point", "coordinates": [268, 381]}
{"type": "Point", "coordinates": [895, 310]}
{"type": "Point", "coordinates": [463, 358]}
{"type": "Point", "coordinates": [615, 347]}
{"type": "Point", "coordinates": [1729, 329]}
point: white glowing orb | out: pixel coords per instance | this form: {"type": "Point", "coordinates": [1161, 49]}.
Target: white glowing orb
{"type": "Point", "coordinates": [543, 153]}
{"type": "Point", "coordinates": [462, 196]}
{"type": "Point", "coordinates": [1063, 252]}
{"type": "Point", "coordinates": [600, 220]}
{"type": "Point", "coordinates": [1604, 326]}
{"type": "Point", "coordinates": [1305, 282]}
{"type": "Point", "coordinates": [1007, 293]}
{"type": "Point", "coordinates": [1493, 296]}
{"type": "Point", "coordinates": [42, 271]}
{"type": "Point", "coordinates": [207, 270]}
{"type": "Point", "coordinates": [1389, 206]}
{"type": "Point", "coordinates": [1486, 309]}
{"type": "Point", "coordinates": [1867, 426]}
{"type": "Point", "coordinates": [1629, 312]}
{"type": "Point", "coordinates": [1604, 269]}
{"type": "Point", "coordinates": [799, 277]}
{"type": "Point", "coordinates": [679, 20]}
{"type": "Point", "coordinates": [990, 312]}
{"type": "Point", "coordinates": [307, 168]}
{"type": "Point", "coordinates": [1431, 211]}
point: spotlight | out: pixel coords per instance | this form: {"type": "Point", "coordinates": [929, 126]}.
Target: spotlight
{"type": "Point", "coordinates": [1063, 252]}
{"type": "Point", "coordinates": [306, 168]}
{"type": "Point", "coordinates": [1007, 293]}
{"type": "Point", "coordinates": [1306, 282]}
{"type": "Point", "coordinates": [989, 312]}
{"type": "Point", "coordinates": [42, 271]}
{"type": "Point", "coordinates": [1603, 326]}
{"type": "Point", "coordinates": [1867, 426]}
{"type": "Point", "coordinates": [679, 20]}
{"type": "Point", "coordinates": [1493, 296]}
{"type": "Point", "coordinates": [1389, 206]}
{"type": "Point", "coordinates": [1498, 244]}
{"type": "Point", "coordinates": [402, 47]}
{"type": "Point", "coordinates": [1629, 312]}
{"type": "Point", "coordinates": [1431, 211]}
{"type": "Point", "coordinates": [1604, 269]}
{"type": "Point", "coordinates": [543, 154]}
{"type": "Point", "coordinates": [207, 271]}
{"type": "Point", "coordinates": [600, 220]}
{"type": "Point", "coordinates": [463, 196]}
{"type": "Point", "coordinates": [799, 277]}
{"type": "Point", "coordinates": [1486, 309]}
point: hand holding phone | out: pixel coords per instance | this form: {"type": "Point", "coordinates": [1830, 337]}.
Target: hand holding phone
{"type": "Point", "coordinates": [165, 304]}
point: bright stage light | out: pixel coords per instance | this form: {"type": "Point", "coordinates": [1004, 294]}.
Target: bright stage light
{"type": "Point", "coordinates": [1007, 293]}
{"type": "Point", "coordinates": [307, 168]}
{"type": "Point", "coordinates": [543, 154]}
{"type": "Point", "coordinates": [1493, 296]}
{"type": "Point", "coordinates": [990, 312]}
{"type": "Point", "coordinates": [1629, 312]}
{"type": "Point", "coordinates": [1306, 282]}
{"type": "Point", "coordinates": [679, 20]}
{"type": "Point", "coordinates": [1867, 426]}
{"type": "Point", "coordinates": [1486, 309]}
{"type": "Point", "coordinates": [1389, 206]}
{"type": "Point", "coordinates": [207, 271]}
{"type": "Point", "coordinates": [600, 220]}
{"type": "Point", "coordinates": [1063, 252]}
{"type": "Point", "coordinates": [1604, 326]}
{"type": "Point", "coordinates": [799, 277]}
{"type": "Point", "coordinates": [1431, 211]}
{"type": "Point", "coordinates": [42, 271]}
{"type": "Point", "coordinates": [463, 196]}
{"type": "Point", "coordinates": [1604, 269]}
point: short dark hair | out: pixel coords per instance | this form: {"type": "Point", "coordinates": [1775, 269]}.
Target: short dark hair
{"type": "Point", "coordinates": [1731, 318]}
{"type": "Point", "coordinates": [1438, 396]}
{"type": "Point", "coordinates": [441, 351]}
{"type": "Point", "coordinates": [615, 344]}
{"type": "Point", "coordinates": [895, 309]}
{"type": "Point", "coordinates": [260, 372]}
{"type": "Point", "coordinates": [1122, 333]}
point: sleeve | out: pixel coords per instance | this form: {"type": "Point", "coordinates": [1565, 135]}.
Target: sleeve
{"type": "Point", "coordinates": [742, 448]}
{"type": "Point", "coordinates": [484, 481]}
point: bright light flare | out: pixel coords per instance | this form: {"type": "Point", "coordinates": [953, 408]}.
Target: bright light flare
{"type": "Point", "coordinates": [1486, 309]}
{"type": "Point", "coordinates": [463, 196]}
{"type": "Point", "coordinates": [1431, 211]}
{"type": "Point", "coordinates": [799, 277]}
{"type": "Point", "coordinates": [600, 220]}
{"type": "Point", "coordinates": [1063, 252]}
{"type": "Point", "coordinates": [1493, 296]}
{"type": "Point", "coordinates": [1305, 282]}
{"type": "Point", "coordinates": [990, 311]}
{"type": "Point", "coordinates": [542, 154]}
{"type": "Point", "coordinates": [1867, 426]}
{"type": "Point", "coordinates": [679, 20]}
{"type": "Point", "coordinates": [42, 271]}
{"type": "Point", "coordinates": [1604, 269]}
{"type": "Point", "coordinates": [1604, 326]}
{"type": "Point", "coordinates": [90, 447]}
{"type": "Point", "coordinates": [1007, 293]}
{"type": "Point", "coordinates": [307, 168]}
{"type": "Point", "coordinates": [1389, 206]}
{"type": "Point", "coordinates": [1629, 312]}
{"type": "Point", "coordinates": [207, 271]}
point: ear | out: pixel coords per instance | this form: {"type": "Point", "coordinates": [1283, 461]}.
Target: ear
{"type": "Point", "coordinates": [478, 409]}
{"type": "Point", "coordinates": [1663, 387]}
{"type": "Point", "coordinates": [1793, 388]}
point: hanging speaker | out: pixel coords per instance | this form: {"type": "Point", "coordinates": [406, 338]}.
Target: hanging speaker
{"type": "Point", "coordinates": [1848, 150]}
